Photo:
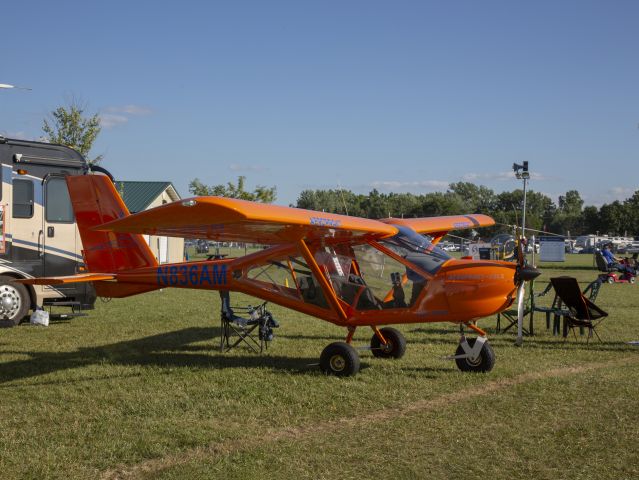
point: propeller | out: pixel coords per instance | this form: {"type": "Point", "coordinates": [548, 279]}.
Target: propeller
{"type": "Point", "coordinates": [524, 273]}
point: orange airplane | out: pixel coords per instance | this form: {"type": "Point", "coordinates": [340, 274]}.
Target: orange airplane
{"type": "Point", "coordinates": [349, 271]}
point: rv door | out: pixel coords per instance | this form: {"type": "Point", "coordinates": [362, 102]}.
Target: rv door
{"type": "Point", "coordinates": [25, 225]}
{"type": "Point", "coordinates": [59, 231]}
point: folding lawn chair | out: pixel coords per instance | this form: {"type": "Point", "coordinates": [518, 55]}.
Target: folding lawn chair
{"type": "Point", "coordinates": [236, 329]}
{"type": "Point", "coordinates": [556, 309]}
{"type": "Point", "coordinates": [579, 310]}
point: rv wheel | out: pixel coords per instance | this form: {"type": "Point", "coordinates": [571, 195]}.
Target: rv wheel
{"type": "Point", "coordinates": [14, 302]}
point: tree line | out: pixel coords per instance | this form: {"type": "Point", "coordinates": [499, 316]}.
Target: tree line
{"type": "Point", "coordinates": [568, 216]}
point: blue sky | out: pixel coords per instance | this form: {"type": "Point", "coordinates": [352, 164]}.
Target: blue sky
{"type": "Point", "coordinates": [398, 96]}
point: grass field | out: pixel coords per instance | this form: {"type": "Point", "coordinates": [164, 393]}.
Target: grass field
{"type": "Point", "coordinates": [138, 389]}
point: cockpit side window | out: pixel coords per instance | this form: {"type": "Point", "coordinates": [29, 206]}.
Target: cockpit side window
{"type": "Point", "coordinates": [417, 249]}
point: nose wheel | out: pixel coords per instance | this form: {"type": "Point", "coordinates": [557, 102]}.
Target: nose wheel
{"type": "Point", "coordinates": [474, 355]}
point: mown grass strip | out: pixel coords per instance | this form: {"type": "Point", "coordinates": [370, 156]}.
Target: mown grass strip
{"type": "Point", "coordinates": [220, 449]}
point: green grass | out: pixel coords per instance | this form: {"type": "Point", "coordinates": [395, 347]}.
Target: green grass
{"type": "Point", "coordinates": [138, 389]}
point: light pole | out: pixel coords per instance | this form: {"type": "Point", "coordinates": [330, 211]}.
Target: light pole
{"type": "Point", "coordinates": [521, 172]}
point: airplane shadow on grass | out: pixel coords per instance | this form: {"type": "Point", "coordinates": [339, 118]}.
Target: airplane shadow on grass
{"type": "Point", "coordinates": [169, 350]}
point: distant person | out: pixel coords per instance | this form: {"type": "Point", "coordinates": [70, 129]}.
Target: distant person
{"type": "Point", "coordinates": [614, 262]}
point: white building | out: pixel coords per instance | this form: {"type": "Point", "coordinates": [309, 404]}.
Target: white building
{"type": "Point", "coordinates": [139, 196]}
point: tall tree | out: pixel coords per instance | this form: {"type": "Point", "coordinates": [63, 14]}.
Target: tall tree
{"type": "Point", "coordinates": [478, 199]}
{"type": "Point", "coordinates": [592, 222]}
{"type": "Point", "coordinates": [69, 126]}
{"type": "Point", "coordinates": [260, 194]}
{"type": "Point", "coordinates": [612, 218]}
{"type": "Point", "coordinates": [569, 216]}
{"type": "Point", "coordinates": [632, 213]}
{"type": "Point", "coordinates": [571, 203]}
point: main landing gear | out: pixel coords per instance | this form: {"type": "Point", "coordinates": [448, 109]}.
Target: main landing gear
{"type": "Point", "coordinates": [342, 360]}
{"type": "Point", "coordinates": [474, 354]}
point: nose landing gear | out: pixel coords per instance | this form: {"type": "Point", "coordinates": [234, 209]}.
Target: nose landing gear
{"type": "Point", "coordinates": [474, 354]}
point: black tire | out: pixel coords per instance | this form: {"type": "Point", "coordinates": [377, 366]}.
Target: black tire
{"type": "Point", "coordinates": [484, 363]}
{"type": "Point", "coordinates": [395, 344]}
{"type": "Point", "coordinates": [339, 359]}
{"type": "Point", "coordinates": [14, 302]}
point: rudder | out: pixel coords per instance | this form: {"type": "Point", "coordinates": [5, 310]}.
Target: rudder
{"type": "Point", "coordinates": [96, 201]}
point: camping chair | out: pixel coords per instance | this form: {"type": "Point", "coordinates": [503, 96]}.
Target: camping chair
{"type": "Point", "coordinates": [556, 309]}
{"type": "Point", "coordinates": [581, 312]}
{"type": "Point", "coordinates": [238, 330]}
{"type": "Point", "coordinates": [536, 308]}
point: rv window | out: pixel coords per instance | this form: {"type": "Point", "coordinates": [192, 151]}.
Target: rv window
{"type": "Point", "coordinates": [57, 202]}
{"type": "Point", "coordinates": [22, 198]}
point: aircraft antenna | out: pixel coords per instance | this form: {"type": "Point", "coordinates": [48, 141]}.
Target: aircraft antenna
{"type": "Point", "coordinates": [341, 191]}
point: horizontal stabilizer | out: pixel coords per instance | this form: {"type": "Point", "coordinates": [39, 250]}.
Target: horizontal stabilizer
{"type": "Point", "coordinates": [83, 277]}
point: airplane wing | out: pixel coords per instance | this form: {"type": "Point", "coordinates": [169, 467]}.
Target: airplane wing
{"type": "Point", "coordinates": [228, 219]}
{"type": "Point", "coordinates": [437, 226]}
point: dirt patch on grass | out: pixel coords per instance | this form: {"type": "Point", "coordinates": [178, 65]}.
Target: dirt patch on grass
{"type": "Point", "coordinates": [220, 449]}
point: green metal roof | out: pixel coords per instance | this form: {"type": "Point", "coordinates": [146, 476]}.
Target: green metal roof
{"type": "Point", "coordinates": [138, 196]}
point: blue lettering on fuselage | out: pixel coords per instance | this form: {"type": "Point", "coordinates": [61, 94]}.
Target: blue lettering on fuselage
{"type": "Point", "coordinates": [324, 222]}
{"type": "Point", "coordinates": [193, 275]}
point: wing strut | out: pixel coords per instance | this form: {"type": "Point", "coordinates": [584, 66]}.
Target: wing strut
{"type": "Point", "coordinates": [326, 287]}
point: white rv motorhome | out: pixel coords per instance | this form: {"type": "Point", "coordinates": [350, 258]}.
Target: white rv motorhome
{"type": "Point", "coordinates": [38, 236]}
{"type": "Point", "coordinates": [590, 242]}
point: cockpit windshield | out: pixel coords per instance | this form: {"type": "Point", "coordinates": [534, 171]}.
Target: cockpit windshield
{"type": "Point", "coordinates": [417, 249]}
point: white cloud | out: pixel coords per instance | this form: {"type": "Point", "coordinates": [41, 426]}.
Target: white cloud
{"type": "Point", "coordinates": [114, 116]}
{"type": "Point", "coordinates": [237, 167]}
{"type": "Point", "coordinates": [394, 185]}
{"type": "Point", "coordinates": [500, 176]}
{"type": "Point", "coordinates": [110, 120]}
{"type": "Point", "coordinates": [615, 193]}
{"type": "Point", "coordinates": [135, 110]}
{"type": "Point", "coordinates": [621, 193]}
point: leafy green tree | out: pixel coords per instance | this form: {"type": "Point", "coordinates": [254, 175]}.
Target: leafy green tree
{"type": "Point", "coordinates": [571, 203]}
{"type": "Point", "coordinates": [69, 126]}
{"type": "Point", "coordinates": [376, 205]}
{"type": "Point", "coordinates": [591, 220]}
{"type": "Point", "coordinates": [403, 205]}
{"type": "Point", "coordinates": [631, 206]}
{"type": "Point", "coordinates": [334, 201]}
{"type": "Point", "coordinates": [478, 199]}
{"type": "Point", "coordinates": [540, 209]}
{"type": "Point", "coordinates": [259, 194]}
{"type": "Point", "coordinates": [569, 215]}
{"type": "Point", "coordinates": [438, 203]}
{"type": "Point", "coordinates": [612, 217]}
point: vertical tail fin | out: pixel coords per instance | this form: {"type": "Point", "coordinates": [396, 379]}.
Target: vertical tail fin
{"type": "Point", "coordinates": [96, 201]}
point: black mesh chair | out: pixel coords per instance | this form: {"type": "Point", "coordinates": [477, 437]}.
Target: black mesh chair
{"type": "Point", "coordinates": [580, 311]}
{"type": "Point", "coordinates": [236, 329]}
{"type": "Point", "coordinates": [556, 309]}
